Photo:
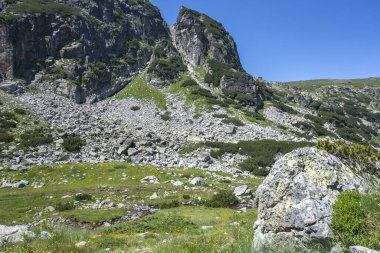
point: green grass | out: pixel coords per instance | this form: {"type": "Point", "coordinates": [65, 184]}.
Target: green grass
{"type": "Point", "coordinates": [95, 216]}
{"type": "Point", "coordinates": [163, 231]}
{"type": "Point", "coordinates": [312, 85]}
{"type": "Point", "coordinates": [101, 181]}
{"type": "Point", "coordinates": [141, 90]}
{"type": "Point", "coordinates": [43, 6]}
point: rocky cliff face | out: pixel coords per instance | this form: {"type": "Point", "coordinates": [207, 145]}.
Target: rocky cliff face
{"type": "Point", "coordinates": [212, 54]}
{"type": "Point", "coordinates": [90, 49]}
{"type": "Point", "coordinates": [83, 49]}
{"type": "Point", "coordinates": [200, 37]}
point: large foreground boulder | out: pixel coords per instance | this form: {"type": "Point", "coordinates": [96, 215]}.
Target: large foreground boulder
{"type": "Point", "coordinates": [295, 200]}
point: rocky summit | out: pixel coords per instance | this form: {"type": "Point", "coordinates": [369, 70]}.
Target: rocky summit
{"type": "Point", "coordinates": [120, 133]}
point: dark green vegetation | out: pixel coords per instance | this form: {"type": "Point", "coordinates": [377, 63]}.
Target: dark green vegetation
{"type": "Point", "coordinates": [41, 6]}
{"type": "Point", "coordinates": [19, 127]}
{"type": "Point", "coordinates": [219, 70]}
{"type": "Point", "coordinates": [35, 138]}
{"type": "Point", "coordinates": [167, 68]}
{"type": "Point", "coordinates": [73, 143]}
{"type": "Point", "coordinates": [261, 153]}
{"type": "Point", "coordinates": [166, 116]}
{"type": "Point", "coordinates": [223, 198]}
{"type": "Point", "coordinates": [343, 104]}
{"type": "Point", "coordinates": [356, 220]}
{"type": "Point", "coordinates": [363, 155]}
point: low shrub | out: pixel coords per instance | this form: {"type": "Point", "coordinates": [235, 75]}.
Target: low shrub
{"type": "Point", "coordinates": [64, 206]}
{"type": "Point", "coordinates": [356, 220]}
{"type": "Point", "coordinates": [257, 165]}
{"type": "Point", "coordinates": [21, 111]}
{"type": "Point", "coordinates": [35, 138]}
{"type": "Point", "coordinates": [223, 198]}
{"type": "Point", "coordinates": [186, 197]}
{"type": "Point", "coordinates": [7, 124]}
{"type": "Point", "coordinates": [135, 108]}
{"type": "Point", "coordinates": [83, 197]}
{"type": "Point", "coordinates": [283, 107]}
{"type": "Point", "coordinates": [220, 116]}
{"type": "Point", "coordinates": [166, 116]}
{"type": "Point", "coordinates": [73, 143]}
{"type": "Point", "coordinates": [234, 121]}
{"type": "Point", "coordinates": [189, 83]}
{"type": "Point", "coordinates": [6, 137]}
{"type": "Point", "coordinates": [169, 204]}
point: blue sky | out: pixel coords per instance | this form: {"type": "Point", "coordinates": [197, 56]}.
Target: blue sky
{"type": "Point", "coordinates": [287, 40]}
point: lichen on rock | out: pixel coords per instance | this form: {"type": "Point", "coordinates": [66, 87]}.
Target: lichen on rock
{"type": "Point", "coordinates": [295, 200]}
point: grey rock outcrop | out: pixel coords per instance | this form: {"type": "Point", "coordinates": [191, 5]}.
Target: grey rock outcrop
{"type": "Point", "coordinates": [295, 200]}
{"type": "Point", "coordinates": [87, 54]}
{"type": "Point", "coordinates": [198, 36]}
{"type": "Point", "coordinates": [206, 44]}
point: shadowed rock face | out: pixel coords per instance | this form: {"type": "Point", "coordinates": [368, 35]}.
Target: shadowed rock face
{"type": "Point", "coordinates": [87, 55]}
{"type": "Point", "coordinates": [295, 200]}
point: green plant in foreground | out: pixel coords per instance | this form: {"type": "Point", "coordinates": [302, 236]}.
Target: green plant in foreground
{"type": "Point", "coordinates": [356, 220]}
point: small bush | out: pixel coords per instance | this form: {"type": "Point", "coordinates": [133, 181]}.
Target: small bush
{"type": "Point", "coordinates": [189, 83]}
{"type": "Point", "coordinates": [223, 199]}
{"type": "Point", "coordinates": [256, 165]}
{"type": "Point", "coordinates": [7, 124]}
{"type": "Point", "coordinates": [284, 107]}
{"type": "Point", "coordinates": [73, 143]}
{"type": "Point", "coordinates": [220, 116]}
{"type": "Point", "coordinates": [135, 108]}
{"type": "Point", "coordinates": [35, 138]}
{"type": "Point", "coordinates": [166, 116]}
{"type": "Point", "coordinates": [203, 92]}
{"type": "Point", "coordinates": [234, 121]}
{"type": "Point", "coordinates": [169, 204]}
{"type": "Point", "coordinates": [6, 137]}
{"type": "Point", "coordinates": [83, 197]}
{"type": "Point", "coordinates": [186, 197]}
{"type": "Point", "coordinates": [21, 111]}
{"type": "Point", "coordinates": [64, 206]}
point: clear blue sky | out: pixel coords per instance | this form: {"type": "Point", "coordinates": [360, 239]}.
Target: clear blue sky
{"type": "Point", "coordinates": [287, 40]}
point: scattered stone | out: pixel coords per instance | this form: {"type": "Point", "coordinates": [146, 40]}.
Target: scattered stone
{"type": "Point", "coordinates": [81, 244]}
{"type": "Point", "coordinates": [49, 209]}
{"type": "Point", "coordinates": [20, 184]}
{"type": "Point", "coordinates": [242, 191]}
{"type": "Point", "coordinates": [45, 235]}
{"type": "Point", "coordinates": [176, 183]}
{"type": "Point", "coordinates": [14, 233]}
{"type": "Point", "coordinates": [360, 249]}
{"type": "Point", "coordinates": [150, 179]}
{"type": "Point", "coordinates": [154, 196]}
{"type": "Point", "coordinates": [197, 181]}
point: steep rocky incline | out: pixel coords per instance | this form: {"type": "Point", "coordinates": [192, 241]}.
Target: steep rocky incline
{"type": "Point", "coordinates": [86, 49]}
{"type": "Point", "coordinates": [212, 54]}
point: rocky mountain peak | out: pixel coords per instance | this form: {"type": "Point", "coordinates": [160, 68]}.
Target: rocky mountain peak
{"type": "Point", "coordinates": [201, 38]}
